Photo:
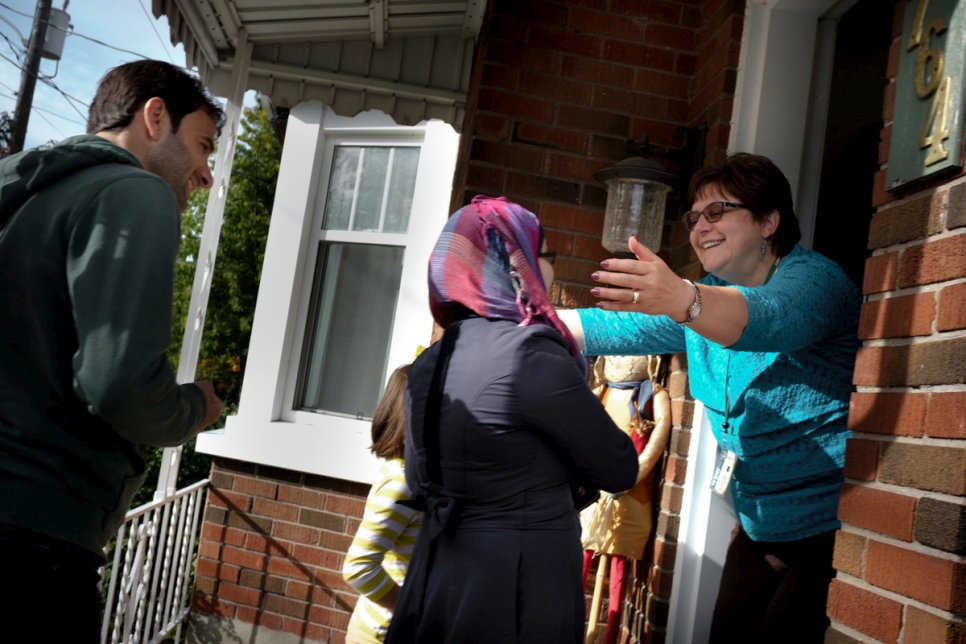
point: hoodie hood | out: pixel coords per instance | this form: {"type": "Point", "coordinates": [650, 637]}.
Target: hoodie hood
{"type": "Point", "coordinates": [29, 172]}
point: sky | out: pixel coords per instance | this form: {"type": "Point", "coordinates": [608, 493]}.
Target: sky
{"type": "Point", "coordinates": [126, 24]}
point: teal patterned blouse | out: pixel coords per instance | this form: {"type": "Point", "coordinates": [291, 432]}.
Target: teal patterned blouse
{"type": "Point", "coordinates": [787, 383]}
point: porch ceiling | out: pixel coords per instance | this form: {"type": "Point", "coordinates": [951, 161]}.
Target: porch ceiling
{"type": "Point", "coordinates": [409, 58]}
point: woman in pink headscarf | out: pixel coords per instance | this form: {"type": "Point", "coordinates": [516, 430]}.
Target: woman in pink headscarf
{"type": "Point", "coordinates": [500, 419]}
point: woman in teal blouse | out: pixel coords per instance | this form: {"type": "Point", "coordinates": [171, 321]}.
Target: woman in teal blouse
{"type": "Point", "coordinates": [771, 337]}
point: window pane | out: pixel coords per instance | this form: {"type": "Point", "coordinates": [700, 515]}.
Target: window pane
{"type": "Point", "coordinates": [401, 187]}
{"type": "Point", "coordinates": [371, 189]}
{"type": "Point", "coordinates": [342, 185]}
{"type": "Point", "coordinates": [350, 326]}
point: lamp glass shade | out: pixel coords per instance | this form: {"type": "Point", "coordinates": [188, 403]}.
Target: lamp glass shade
{"type": "Point", "coordinates": [634, 207]}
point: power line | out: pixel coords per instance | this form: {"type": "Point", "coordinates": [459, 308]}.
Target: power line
{"type": "Point", "coordinates": [69, 120]}
{"type": "Point", "coordinates": [56, 129]}
{"type": "Point", "coordinates": [49, 82]}
{"type": "Point", "coordinates": [156, 32]}
{"type": "Point", "coordinates": [74, 33]}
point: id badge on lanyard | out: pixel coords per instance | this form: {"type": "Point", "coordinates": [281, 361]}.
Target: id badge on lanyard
{"type": "Point", "coordinates": [724, 467]}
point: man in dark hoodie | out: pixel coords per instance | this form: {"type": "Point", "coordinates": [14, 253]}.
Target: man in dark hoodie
{"type": "Point", "coordinates": [89, 234]}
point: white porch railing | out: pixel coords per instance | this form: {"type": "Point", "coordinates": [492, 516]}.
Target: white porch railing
{"type": "Point", "coordinates": [153, 561]}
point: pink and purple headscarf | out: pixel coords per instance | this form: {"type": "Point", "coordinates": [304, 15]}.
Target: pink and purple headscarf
{"type": "Point", "coordinates": [486, 261]}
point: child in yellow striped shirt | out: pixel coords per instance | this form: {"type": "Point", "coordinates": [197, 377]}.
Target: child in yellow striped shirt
{"type": "Point", "coordinates": [377, 560]}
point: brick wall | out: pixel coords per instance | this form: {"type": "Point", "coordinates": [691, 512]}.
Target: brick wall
{"type": "Point", "coordinates": [272, 546]}
{"type": "Point", "coordinates": [561, 86]}
{"type": "Point", "coordinates": [900, 554]}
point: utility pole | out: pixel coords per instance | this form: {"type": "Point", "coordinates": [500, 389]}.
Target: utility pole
{"type": "Point", "coordinates": [28, 79]}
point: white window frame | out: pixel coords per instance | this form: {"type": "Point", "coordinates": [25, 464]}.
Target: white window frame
{"type": "Point", "coordinates": [267, 429]}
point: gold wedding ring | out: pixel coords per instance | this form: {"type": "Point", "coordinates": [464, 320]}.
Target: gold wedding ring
{"type": "Point", "coordinates": [636, 294]}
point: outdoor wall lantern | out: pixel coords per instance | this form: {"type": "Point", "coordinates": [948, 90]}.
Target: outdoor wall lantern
{"type": "Point", "coordinates": [637, 189]}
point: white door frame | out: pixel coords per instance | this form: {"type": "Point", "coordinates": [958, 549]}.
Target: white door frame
{"type": "Point", "coordinates": [781, 104]}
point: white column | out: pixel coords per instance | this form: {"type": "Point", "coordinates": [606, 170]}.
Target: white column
{"type": "Point", "coordinates": [214, 216]}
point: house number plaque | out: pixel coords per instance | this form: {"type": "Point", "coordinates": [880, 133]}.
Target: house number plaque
{"type": "Point", "coordinates": [927, 128]}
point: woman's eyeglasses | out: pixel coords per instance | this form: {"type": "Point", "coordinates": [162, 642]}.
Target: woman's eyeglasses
{"type": "Point", "coordinates": [712, 213]}
{"type": "Point", "coordinates": [549, 255]}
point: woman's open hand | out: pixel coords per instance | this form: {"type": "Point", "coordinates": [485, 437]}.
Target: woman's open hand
{"type": "Point", "coordinates": [659, 290]}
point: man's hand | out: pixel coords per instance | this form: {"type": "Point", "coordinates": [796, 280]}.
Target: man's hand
{"type": "Point", "coordinates": [213, 404]}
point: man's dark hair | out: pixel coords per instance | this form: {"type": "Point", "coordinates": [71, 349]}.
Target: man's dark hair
{"type": "Point", "coordinates": [126, 88]}
{"type": "Point", "coordinates": [757, 183]}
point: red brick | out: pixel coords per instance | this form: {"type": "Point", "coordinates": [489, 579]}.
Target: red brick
{"type": "Point", "coordinates": [880, 196]}
{"type": "Point", "coordinates": [667, 36]}
{"type": "Point", "coordinates": [211, 606]}
{"type": "Point", "coordinates": [926, 628]}
{"type": "Point", "coordinates": [605, 24]}
{"type": "Point", "coordinates": [541, 13]}
{"type": "Point", "coordinates": [239, 594]}
{"type": "Point", "coordinates": [267, 545]}
{"type": "Point", "coordinates": [897, 414]}
{"type": "Point", "coordinates": [484, 178]}
{"type": "Point", "coordinates": [292, 532]}
{"type": "Point", "coordinates": [865, 611]}
{"type": "Point", "coordinates": [328, 617]}
{"type": "Point", "coordinates": [936, 261]}
{"type": "Point", "coordinates": [209, 549]}
{"type": "Point", "coordinates": [309, 592]}
{"type": "Point", "coordinates": [952, 308]}
{"type": "Point", "coordinates": [286, 606]}
{"type": "Point", "coordinates": [684, 64]}
{"type": "Point", "coordinates": [318, 557]}
{"type": "Point", "coordinates": [666, 12]}
{"type": "Point", "coordinates": [885, 140]}
{"type": "Point", "coordinates": [507, 28]}
{"type": "Point", "coordinates": [554, 88]}
{"type": "Point", "coordinates": [519, 55]}
{"type": "Point", "coordinates": [655, 82]}
{"type": "Point", "coordinates": [721, 84]}
{"type": "Point", "coordinates": [499, 77]}
{"type": "Point", "coordinates": [255, 487]}
{"type": "Point", "coordinates": [880, 273]}
{"type": "Point", "coordinates": [243, 558]}
{"type": "Point", "coordinates": [301, 496]}
{"type": "Point", "coordinates": [596, 71]}
{"type": "Point", "coordinates": [658, 132]}
{"type": "Point", "coordinates": [889, 101]}
{"type": "Point", "coordinates": [232, 500]}
{"type": "Point", "coordinates": [720, 59]}
{"type": "Point", "coordinates": [861, 459]}
{"type": "Point", "coordinates": [290, 569]}
{"type": "Point", "coordinates": [636, 55]}
{"type": "Point", "coordinates": [675, 469]}
{"type": "Point", "coordinates": [205, 585]}
{"type": "Point", "coordinates": [574, 167]}
{"type": "Point", "coordinates": [564, 41]}
{"type": "Point", "coordinates": [590, 248]}
{"type": "Point", "coordinates": [551, 137]}
{"type": "Point", "coordinates": [227, 572]}
{"type": "Point", "coordinates": [345, 505]}
{"type": "Point", "coordinates": [523, 107]}
{"type": "Point", "coordinates": [252, 616]}
{"type": "Point", "coordinates": [659, 581]}
{"type": "Point", "coordinates": [207, 567]}
{"type": "Point", "coordinates": [946, 415]}
{"type": "Point", "coordinates": [932, 580]}
{"type": "Point", "coordinates": [310, 632]}
{"type": "Point", "coordinates": [628, 102]}
{"type": "Point", "coordinates": [848, 553]}
{"type": "Point", "coordinates": [884, 512]}
{"type": "Point", "coordinates": [895, 52]}
{"type": "Point", "coordinates": [276, 510]}
{"type": "Point", "coordinates": [493, 127]}
{"type": "Point", "coordinates": [567, 217]}
{"type": "Point", "coordinates": [335, 541]}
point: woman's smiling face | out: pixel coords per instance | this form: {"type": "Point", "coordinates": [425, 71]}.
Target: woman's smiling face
{"type": "Point", "coordinates": [729, 248]}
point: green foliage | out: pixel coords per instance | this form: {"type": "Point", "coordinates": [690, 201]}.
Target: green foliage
{"type": "Point", "coordinates": [234, 287]}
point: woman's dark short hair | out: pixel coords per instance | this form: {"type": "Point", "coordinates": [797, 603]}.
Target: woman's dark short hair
{"type": "Point", "coordinates": [389, 419]}
{"type": "Point", "coordinates": [757, 183]}
{"type": "Point", "coordinates": [126, 88]}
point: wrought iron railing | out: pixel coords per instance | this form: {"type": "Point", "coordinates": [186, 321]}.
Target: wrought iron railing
{"type": "Point", "coordinates": [151, 566]}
